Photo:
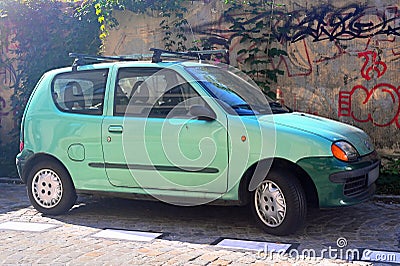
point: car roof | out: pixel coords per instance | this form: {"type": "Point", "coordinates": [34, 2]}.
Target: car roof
{"type": "Point", "coordinates": [164, 64]}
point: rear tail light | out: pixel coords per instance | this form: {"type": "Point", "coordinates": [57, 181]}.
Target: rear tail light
{"type": "Point", "coordinates": [21, 146]}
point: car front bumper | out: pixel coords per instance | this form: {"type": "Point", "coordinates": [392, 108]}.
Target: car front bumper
{"type": "Point", "coordinates": [340, 183]}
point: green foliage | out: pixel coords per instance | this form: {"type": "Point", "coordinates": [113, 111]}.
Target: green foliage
{"type": "Point", "coordinates": [7, 160]}
{"type": "Point", "coordinates": [389, 180]}
{"type": "Point", "coordinates": [257, 36]}
{"type": "Point", "coordinates": [169, 9]}
{"type": "Point", "coordinates": [41, 34]}
{"type": "Point", "coordinates": [174, 35]}
{"type": "Point", "coordinates": [102, 10]}
{"type": "Point", "coordinates": [388, 184]}
{"type": "Point", "coordinates": [391, 167]}
{"type": "Point", "coordinates": [44, 33]}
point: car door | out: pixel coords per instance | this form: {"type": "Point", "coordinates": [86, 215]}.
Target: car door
{"type": "Point", "coordinates": [152, 141]}
{"type": "Point", "coordinates": [73, 133]}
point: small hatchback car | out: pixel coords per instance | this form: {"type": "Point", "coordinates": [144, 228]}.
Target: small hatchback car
{"type": "Point", "coordinates": [186, 133]}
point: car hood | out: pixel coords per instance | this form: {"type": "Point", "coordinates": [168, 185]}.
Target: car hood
{"type": "Point", "coordinates": [325, 128]}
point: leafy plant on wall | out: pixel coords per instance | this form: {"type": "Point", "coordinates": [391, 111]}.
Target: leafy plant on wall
{"type": "Point", "coordinates": [172, 11]}
{"type": "Point", "coordinates": [257, 35]}
{"type": "Point", "coordinates": [174, 35]}
{"type": "Point", "coordinates": [38, 35]}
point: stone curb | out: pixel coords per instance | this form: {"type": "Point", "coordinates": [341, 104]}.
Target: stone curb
{"type": "Point", "coordinates": [387, 197]}
{"type": "Point", "coordinates": [10, 180]}
{"type": "Point", "coordinates": [17, 181]}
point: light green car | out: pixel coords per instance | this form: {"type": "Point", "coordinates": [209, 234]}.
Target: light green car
{"type": "Point", "coordinates": [186, 133]}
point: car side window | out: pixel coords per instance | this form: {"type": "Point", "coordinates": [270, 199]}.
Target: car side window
{"type": "Point", "coordinates": [176, 102]}
{"type": "Point", "coordinates": [152, 92]}
{"type": "Point", "coordinates": [131, 90]}
{"type": "Point", "coordinates": [80, 91]}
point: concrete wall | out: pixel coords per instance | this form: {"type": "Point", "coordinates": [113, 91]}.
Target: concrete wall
{"type": "Point", "coordinates": [343, 56]}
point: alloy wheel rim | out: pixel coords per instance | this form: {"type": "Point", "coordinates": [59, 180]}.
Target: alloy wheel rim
{"type": "Point", "coordinates": [270, 204]}
{"type": "Point", "coordinates": [47, 188]}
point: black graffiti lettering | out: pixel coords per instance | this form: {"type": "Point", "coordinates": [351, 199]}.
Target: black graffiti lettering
{"type": "Point", "coordinates": [343, 24]}
{"type": "Point", "coordinates": [3, 105]}
{"type": "Point", "coordinates": [323, 23]}
{"type": "Point", "coordinates": [9, 73]}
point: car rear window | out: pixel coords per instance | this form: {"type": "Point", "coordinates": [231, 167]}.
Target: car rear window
{"type": "Point", "coordinates": [80, 92]}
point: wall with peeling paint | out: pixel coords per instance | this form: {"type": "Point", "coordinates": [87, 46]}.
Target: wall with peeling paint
{"type": "Point", "coordinates": [343, 57]}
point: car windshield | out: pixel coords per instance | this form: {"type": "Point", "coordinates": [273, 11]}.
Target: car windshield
{"type": "Point", "coordinates": [234, 93]}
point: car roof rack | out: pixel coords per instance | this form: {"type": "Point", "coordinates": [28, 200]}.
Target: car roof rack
{"type": "Point", "coordinates": [83, 59]}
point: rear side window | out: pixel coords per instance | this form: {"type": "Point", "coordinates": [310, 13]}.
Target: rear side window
{"type": "Point", "coordinates": [80, 92]}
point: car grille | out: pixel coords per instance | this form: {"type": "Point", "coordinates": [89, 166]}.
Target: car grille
{"type": "Point", "coordinates": [355, 186]}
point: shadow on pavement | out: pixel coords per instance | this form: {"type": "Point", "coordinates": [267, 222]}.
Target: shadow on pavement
{"type": "Point", "coordinates": [362, 225]}
{"type": "Point", "coordinates": [367, 225]}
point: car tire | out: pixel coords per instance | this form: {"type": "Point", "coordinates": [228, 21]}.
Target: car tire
{"type": "Point", "coordinates": [279, 203]}
{"type": "Point", "coordinates": [50, 188]}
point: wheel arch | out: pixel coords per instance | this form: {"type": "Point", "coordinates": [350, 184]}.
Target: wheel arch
{"type": "Point", "coordinates": [285, 165]}
{"type": "Point", "coordinates": [39, 157]}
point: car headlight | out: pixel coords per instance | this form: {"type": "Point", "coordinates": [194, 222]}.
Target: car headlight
{"type": "Point", "coordinates": [344, 151]}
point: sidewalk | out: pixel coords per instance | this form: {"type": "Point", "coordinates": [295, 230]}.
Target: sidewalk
{"type": "Point", "coordinates": [187, 235]}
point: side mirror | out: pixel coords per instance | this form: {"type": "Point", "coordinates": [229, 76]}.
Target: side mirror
{"type": "Point", "coordinates": [202, 113]}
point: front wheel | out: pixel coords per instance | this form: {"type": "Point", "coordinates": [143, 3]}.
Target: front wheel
{"type": "Point", "coordinates": [50, 188]}
{"type": "Point", "coordinates": [279, 203]}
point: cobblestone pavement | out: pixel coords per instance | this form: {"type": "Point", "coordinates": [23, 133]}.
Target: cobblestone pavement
{"type": "Point", "coordinates": [188, 233]}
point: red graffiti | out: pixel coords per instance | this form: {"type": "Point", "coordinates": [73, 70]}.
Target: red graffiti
{"type": "Point", "coordinates": [382, 99]}
{"type": "Point", "coordinates": [390, 95]}
{"type": "Point", "coordinates": [371, 64]}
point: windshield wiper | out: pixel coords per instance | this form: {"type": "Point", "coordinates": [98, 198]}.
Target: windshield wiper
{"type": "Point", "coordinates": [275, 104]}
{"type": "Point", "coordinates": [277, 107]}
{"type": "Point", "coordinates": [242, 106]}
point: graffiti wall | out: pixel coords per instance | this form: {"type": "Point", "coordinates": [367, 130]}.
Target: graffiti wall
{"type": "Point", "coordinates": [8, 77]}
{"type": "Point", "coordinates": [342, 58]}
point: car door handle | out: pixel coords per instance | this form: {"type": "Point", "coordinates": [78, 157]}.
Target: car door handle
{"type": "Point", "coordinates": [115, 129]}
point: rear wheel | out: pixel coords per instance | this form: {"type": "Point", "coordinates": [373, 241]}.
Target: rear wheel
{"type": "Point", "coordinates": [279, 203]}
{"type": "Point", "coordinates": [50, 188]}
